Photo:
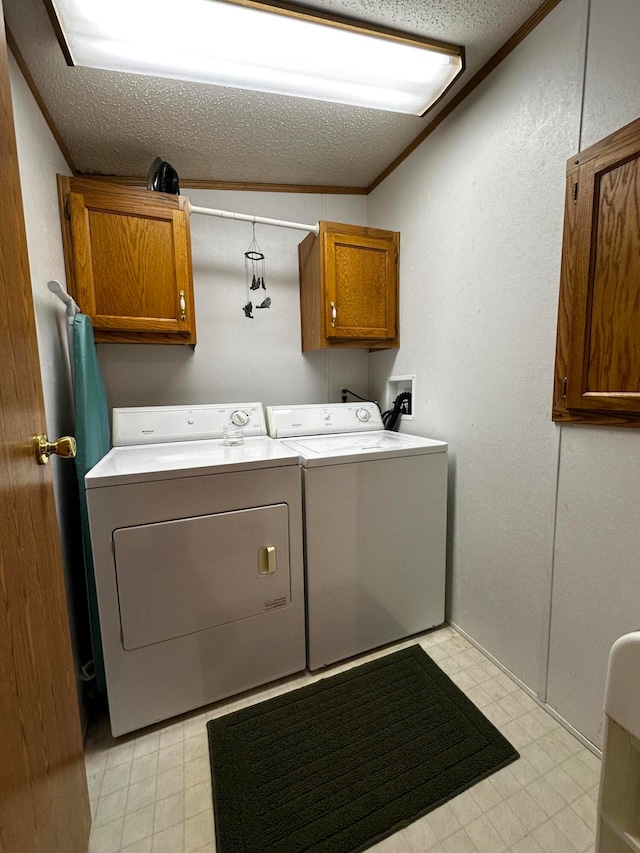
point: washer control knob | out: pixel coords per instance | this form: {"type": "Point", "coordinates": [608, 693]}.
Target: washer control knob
{"type": "Point", "coordinates": [363, 415]}
{"type": "Point", "coordinates": [240, 417]}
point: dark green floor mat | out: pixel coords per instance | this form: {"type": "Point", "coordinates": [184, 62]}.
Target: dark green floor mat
{"type": "Point", "coordinates": [338, 765]}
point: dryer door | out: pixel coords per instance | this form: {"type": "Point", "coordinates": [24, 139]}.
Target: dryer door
{"type": "Point", "coordinates": [191, 574]}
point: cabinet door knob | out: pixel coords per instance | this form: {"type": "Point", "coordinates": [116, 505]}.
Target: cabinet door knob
{"type": "Point", "coordinates": [334, 314]}
{"type": "Point", "coordinates": [183, 306]}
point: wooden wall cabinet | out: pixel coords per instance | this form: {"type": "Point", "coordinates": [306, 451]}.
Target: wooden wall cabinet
{"type": "Point", "coordinates": [349, 288]}
{"type": "Point", "coordinates": [128, 261]}
{"type": "Point", "coordinates": [597, 378]}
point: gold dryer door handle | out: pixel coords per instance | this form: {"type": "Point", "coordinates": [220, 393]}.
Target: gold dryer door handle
{"type": "Point", "coordinates": [267, 560]}
{"type": "Point", "coordinates": [65, 446]}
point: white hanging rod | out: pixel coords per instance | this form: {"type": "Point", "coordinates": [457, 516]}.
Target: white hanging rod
{"type": "Point", "coordinates": [260, 220]}
{"type": "Point", "coordinates": [61, 293]}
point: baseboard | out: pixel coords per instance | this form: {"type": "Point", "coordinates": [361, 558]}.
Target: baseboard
{"type": "Point", "coordinates": [583, 740]}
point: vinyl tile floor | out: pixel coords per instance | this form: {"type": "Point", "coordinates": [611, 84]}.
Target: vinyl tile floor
{"type": "Point", "coordinates": [151, 791]}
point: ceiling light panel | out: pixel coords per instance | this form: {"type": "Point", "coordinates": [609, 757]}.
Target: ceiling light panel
{"type": "Point", "coordinates": [247, 46]}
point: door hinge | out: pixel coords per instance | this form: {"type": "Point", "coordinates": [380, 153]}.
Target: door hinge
{"type": "Point", "coordinates": [395, 256]}
{"type": "Point", "coordinates": [564, 388]}
{"type": "Point", "coordinates": [67, 209]}
{"type": "Point", "coordinates": [575, 192]}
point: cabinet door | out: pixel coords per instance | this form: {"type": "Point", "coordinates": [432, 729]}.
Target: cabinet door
{"type": "Point", "coordinates": [598, 358]}
{"type": "Point", "coordinates": [131, 263]}
{"type": "Point", "coordinates": [360, 287]}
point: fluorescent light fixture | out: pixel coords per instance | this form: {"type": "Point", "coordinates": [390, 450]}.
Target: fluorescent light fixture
{"type": "Point", "coordinates": [251, 45]}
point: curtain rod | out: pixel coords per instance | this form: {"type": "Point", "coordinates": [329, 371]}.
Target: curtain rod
{"type": "Point", "coordinates": [260, 220]}
{"type": "Point", "coordinates": [69, 301]}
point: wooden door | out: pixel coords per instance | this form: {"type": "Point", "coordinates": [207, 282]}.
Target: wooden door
{"type": "Point", "coordinates": [44, 805]}
{"type": "Point", "coordinates": [360, 282]}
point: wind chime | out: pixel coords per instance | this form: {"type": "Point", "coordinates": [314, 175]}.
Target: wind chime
{"type": "Point", "coordinates": [254, 271]}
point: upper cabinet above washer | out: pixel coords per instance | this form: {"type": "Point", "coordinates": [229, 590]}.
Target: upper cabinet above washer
{"type": "Point", "coordinates": [128, 261]}
{"type": "Point", "coordinates": [349, 288]}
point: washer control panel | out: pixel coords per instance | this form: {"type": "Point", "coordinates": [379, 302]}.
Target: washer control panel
{"type": "Point", "coordinates": [160, 424]}
{"type": "Point", "coordinates": [322, 419]}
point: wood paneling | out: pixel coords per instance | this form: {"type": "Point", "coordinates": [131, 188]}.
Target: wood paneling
{"type": "Point", "coordinates": [311, 288]}
{"type": "Point", "coordinates": [359, 272]}
{"type": "Point", "coordinates": [128, 252]}
{"type": "Point", "coordinates": [239, 186]}
{"type": "Point", "coordinates": [57, 29]}
{"type": "Point", "coordinates": [567, 278]}
{"type": "Point", "coordinates": [44, 805]}
{"type": "Point", "coordinates": [356, 269]}
{"type": "Point", "coordinates": [614, 339]}
{"type": "Point", "coordinates": [598, 345]}
{"type": "Point", "coordinates": [138, 253]}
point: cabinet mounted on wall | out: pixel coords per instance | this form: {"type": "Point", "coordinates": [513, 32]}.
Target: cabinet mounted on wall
{"type": "Point", "coordinates": [597, 378]}
{"type": "Point", "coordinates": [349, 288]}
{"type": "Point", "coordinates": [128, 261]}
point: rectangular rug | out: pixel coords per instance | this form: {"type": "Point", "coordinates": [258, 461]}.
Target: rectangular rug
{"type": "Point", "coordinates": [338, 765]}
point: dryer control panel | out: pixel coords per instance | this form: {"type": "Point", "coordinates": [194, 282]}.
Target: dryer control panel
{"type": "Point", "coordinates": [159, 424]}
{"type": "Point", "coordinates": [322, 419]}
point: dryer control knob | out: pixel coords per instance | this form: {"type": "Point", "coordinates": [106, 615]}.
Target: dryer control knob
{"type": "Point", "coordinates": [363, 415]}
{"type": "Point", "coordinates": [240, 417]}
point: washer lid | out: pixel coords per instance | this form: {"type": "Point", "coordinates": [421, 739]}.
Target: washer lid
{"type": "Point", "coordinates": [147, 462]}
{"type": "Point", "coordinates": [360, 447]}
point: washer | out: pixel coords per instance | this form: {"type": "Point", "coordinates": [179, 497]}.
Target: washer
{"type": "Point", "coordinates": [198, 560]}
{"type": "Point", "coordinates": [375, 527]}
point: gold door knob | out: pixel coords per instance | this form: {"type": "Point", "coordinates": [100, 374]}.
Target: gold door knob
{"type": "Point", "coordinates": [65, 446]}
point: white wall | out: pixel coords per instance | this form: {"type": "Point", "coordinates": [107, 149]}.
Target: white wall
{"type": "Point", "coordinates": [480, 208]}
{"type": "Point", "coordinates": [238, 359]}
{"type": "Point", "coordinates": [39, 160]}
{"type": "Point", "coordinates": [596, 592]}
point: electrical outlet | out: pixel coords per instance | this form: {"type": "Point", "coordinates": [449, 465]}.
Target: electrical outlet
{"type": "Point", "coordinates": [339, 394]}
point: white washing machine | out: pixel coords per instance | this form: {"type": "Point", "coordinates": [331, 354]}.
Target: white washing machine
{"type": "Point", "coordinates": [198, 560]}
{"type": "Point", "coordinates": [375, 527]}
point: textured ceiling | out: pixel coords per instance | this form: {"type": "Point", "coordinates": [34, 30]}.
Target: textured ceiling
{"type": "Point", "coordinates": [116, 124]}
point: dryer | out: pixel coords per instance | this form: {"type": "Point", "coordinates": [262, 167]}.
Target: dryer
{"type": "Point", "coordinates": [198, 560]}
{"type": "Point", "coordinates": [375, 527]}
